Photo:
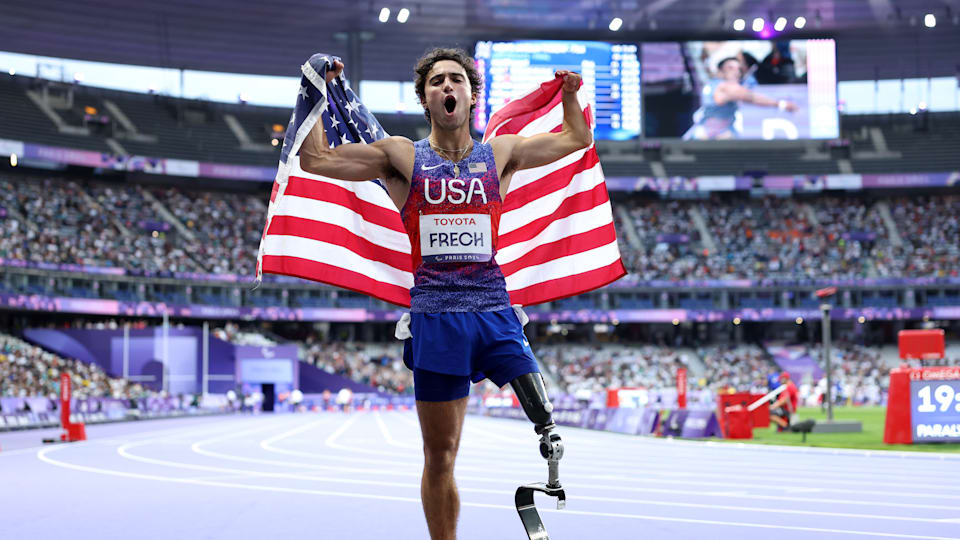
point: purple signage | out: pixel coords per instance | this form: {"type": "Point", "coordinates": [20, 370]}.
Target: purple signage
{"type": "Point", "coordinates": [701, 424]}
{"type": "Point", "coordinates": [280, 313]}
{"type": "Point", "coordinates": [795, 360]}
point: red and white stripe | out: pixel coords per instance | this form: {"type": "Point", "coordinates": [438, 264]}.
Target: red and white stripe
{"type": "Point", "coordinates": [347, 234]}
{"type": "Point", "coordinates": [556, 236]}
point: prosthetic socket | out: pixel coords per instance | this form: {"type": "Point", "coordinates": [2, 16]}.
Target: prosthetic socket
{"type": "Point", "coordinates": [532, 395]}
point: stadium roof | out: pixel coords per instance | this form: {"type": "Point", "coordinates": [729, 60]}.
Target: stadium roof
{"type": "Point", "coordinates": [275, 37]}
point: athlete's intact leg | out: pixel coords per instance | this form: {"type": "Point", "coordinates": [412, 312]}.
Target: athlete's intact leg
{"type": "Point", "coordinates": [440, 424]}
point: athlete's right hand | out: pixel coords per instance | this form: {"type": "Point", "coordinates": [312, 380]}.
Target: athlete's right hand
{"type": "Point", "coordinates": [335, 71]}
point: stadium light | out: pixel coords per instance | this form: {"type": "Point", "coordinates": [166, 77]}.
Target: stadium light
{"type": "Point", "coordinates": [922, 106]}
{"type": "Point", "coordinates": [274, 141]}
{"type": "Point", "coordinates": [403, 15]}
{"type": "Point", "coordinates": [78, 77]}
{"type": "Point", "coordinates": [930, 20]}
{"type": "Point", "coordinates": [913, 110]}
{"type": "Point", "coordinates": [758, 24]}
{"type": "Point", "coordinates": [799, 320]}
{"type": "Point", "coordinates": [736, 321]}
{"type": "Point", "coordinates": [676, 322]}
{"type": "Point", "coordinates": [739, 25]}
{"type": "Point", "coordinates": [615, 24]}
{"type": "Point", "coordinates": [780, 24]}
{"type": "Point", "coordinates": [799, 22]}
{"type": "Point", "coordinates": [13, 160]}
{"type": "Point", "coordinates": [12, 72]}
{"type": "Point", "coordinates": [861, 319]}
{"type": "Point", "coordinates": [384, 14]}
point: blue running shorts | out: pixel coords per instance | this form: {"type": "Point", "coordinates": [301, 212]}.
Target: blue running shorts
{"type": "Point", "coordinates": [449, 350]}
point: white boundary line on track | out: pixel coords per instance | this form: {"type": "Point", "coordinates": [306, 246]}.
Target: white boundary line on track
{"type": "Point", "coordinates": [43, 456]}
{"type": "Point", "coordinates": [657, 476]}
{"type": "Point", "coordinates": [267, 445]}
{"type": "Point", "coordinates": [124, 451]}
{"type": "Point", "coordinates": [737, 478]}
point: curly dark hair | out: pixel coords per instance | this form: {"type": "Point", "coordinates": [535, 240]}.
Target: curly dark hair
{"type": "Point", "coordinates": [426, 62]}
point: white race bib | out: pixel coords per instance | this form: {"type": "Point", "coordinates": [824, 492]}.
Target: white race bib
{"type": "Point", "coordinates": [456, 238]}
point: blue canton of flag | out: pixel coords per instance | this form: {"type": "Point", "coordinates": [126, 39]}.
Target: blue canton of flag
{"type": "Point", "coordinates": [344, 118]}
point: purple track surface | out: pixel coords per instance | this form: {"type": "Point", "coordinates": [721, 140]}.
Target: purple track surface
{"type": "Point", "coordinates": [357, 476]}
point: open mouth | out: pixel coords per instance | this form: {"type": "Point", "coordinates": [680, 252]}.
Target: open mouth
{"type": "Point", "coordinates": [450, 103]}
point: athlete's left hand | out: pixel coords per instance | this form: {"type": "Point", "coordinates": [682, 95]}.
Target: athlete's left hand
{"type": "Point", "coordinates": [571, 81]}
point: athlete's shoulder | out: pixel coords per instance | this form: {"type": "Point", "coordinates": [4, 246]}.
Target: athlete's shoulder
{"type": "Point", "coordinates": [394, 142]}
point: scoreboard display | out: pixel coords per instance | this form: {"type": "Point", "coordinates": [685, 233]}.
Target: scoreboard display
{"type": "Point", "coordinates": [935, 405]}
{"type": "Point", "coordinates": [610, 72]}
{"type": "Point", "coordinates": [923, 405]}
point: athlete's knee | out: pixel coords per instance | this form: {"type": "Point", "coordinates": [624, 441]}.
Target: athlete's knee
{"type": "Point", "coordinates": [440, 454]}
{"type": "Point", "coordinates": [532, 395]}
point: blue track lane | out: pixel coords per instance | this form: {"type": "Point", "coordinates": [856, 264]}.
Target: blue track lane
{"type": "Point", "coordinates": [357, 476]}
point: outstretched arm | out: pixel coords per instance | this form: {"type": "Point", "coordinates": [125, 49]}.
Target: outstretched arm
{"type": "Point", "coordinates": [357, 162]}
{"type": "Point", "coordinates": [538, 150]}
{"type": "Point", "coordinates": [734, 92]}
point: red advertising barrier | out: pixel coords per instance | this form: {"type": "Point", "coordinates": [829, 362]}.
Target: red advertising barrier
{"type": "Point", "coordinates": [759, 418]}
{"type": "Point", "coordinates": [682, 388]}
{"type": "Point", "coordinates": [72, 432]}
{"type": "Point", "coordinates": [921, 344]}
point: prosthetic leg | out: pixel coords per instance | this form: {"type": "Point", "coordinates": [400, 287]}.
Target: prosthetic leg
{"type": "Point", "coordinates": [533, 397]}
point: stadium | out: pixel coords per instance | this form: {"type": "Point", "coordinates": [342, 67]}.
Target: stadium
{"type": "Point", "coordinates": [727, 236]}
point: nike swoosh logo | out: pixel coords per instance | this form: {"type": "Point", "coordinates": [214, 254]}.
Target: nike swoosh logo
{"type": "Point", "coordinates": [425, 168]}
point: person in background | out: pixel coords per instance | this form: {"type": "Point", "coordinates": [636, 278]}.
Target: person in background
{"type": "Point", "coordinates": [783, 409]}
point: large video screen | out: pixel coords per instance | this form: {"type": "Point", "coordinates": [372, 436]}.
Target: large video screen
{"type": "Point", "coordinates": [611, 79]}
{"type": "Point", "coordinates": [750, 89]}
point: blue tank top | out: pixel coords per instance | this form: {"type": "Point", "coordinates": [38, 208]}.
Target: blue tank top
{"type": "Point", "coordinates": [727, 111]}
{"type": "Point", "coordinates": [451, 216]}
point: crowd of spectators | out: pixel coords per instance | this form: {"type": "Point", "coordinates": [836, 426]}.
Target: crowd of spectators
{"type": "Point", "coordinates": [788, 238]}
{"type": "Point", "coordinates": [30, 371]}
{"type": "Point", "coordinates": [379, 365]}
{"type": "Point", "coordinates": [582, 370]}
{"type": "Point", "coordinates": [101, 224]}
{"type": "Point", "coordinates": [742, 368]}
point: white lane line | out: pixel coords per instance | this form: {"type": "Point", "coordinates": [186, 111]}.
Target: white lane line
{"type": "Point", "coordinates": [386, 434]}
{"type": "Point", "coordinates": [672, 477]}
{"type": "Point", "coordinates": [393, 471]}
{"type": "Point", "coordinates": [233, 435]}
{"type": "Point", "coordinates": [415, 473]}
{"type": "Point", "coordinates": [43, 456]}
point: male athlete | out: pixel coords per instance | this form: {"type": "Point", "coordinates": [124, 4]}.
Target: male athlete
{"type": "Point", "coordinates": [715, 118]}
{"type": "Point", "coordinates": [449, 190]}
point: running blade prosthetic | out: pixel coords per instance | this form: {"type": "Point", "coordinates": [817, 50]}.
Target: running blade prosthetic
{"type": "Point", "coordinates": [528, 509]}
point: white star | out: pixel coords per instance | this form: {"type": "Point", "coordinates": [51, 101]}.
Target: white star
{"type": "Point", "coordinates": [355, 103]}
{"type": "Point", "coordinates": [303, 92]}
{"type": "Point", "coordinates": [334, 122]}
{"type": "Point", "coordinates": [344, 139]}
{"type": "Point", "coordinates": [349, 106]}
{"type": "Point", "coordinates": [351, 120]}
{"type": "Point", "coordinates": [372, 130]}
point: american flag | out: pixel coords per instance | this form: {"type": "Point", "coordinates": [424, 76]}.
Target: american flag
{"type": "Point", "coordinates": [556, 232]}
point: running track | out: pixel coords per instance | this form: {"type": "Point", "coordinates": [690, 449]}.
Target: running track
{"type": "Point", "coordinates": [356, 476]}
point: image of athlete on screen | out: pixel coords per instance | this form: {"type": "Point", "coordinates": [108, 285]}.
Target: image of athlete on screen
{"type": "Point", "coordinates": [717, 116]}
